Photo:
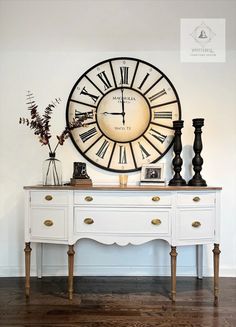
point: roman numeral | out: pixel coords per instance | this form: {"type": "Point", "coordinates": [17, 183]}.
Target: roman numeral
{"type": "Point", "coordinates": [88, 134]}
{"type": "Point", "coordinates": [160, 137]}
{"type": "Point", "coordinates": [157, 95]}
{"type": "Point", "coordinates": [144, 80]}
{"type": "Point", "coordinates": [144, 152]}
{"type": "Point", "coordinates": [124, 75]}
{"type": "Point", "coordinates": [92, 96]}
{"type": "Point", "coordinates": [163, 114]}
{"type": "Point", "coordinates": [105, 80]}
{"type": "Point", "coordinates": [122, 155]}
{"type": "Point", "coordinates": [103, 149]}
{"type": "Point", "coordinates": [78, 113]}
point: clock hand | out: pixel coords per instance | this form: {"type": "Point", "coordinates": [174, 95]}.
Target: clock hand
{"type": "Point", "coordinates": [123, 106]}
{"type": "Point", "coordinates": [111, 113]}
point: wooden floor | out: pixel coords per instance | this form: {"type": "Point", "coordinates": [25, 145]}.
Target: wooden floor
{"type": "Point", "coordinates": [117, 302]}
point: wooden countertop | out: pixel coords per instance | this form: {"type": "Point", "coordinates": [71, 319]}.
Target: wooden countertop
{"type": "Point", "coordinates": [123, 188]}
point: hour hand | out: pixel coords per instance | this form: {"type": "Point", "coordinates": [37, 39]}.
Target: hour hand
{"type": "Point", "coordinates": [111, 113]}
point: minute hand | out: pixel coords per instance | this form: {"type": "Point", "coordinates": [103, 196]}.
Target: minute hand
{"type": "Point", "coordinates": [123, 106]}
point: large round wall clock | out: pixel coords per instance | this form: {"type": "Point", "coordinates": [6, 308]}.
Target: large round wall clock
{"type": "Point", "coordinates": [134, 105]}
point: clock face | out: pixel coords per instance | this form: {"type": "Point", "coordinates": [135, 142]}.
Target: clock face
{"type": "Point", "coordinates": [134, 106]}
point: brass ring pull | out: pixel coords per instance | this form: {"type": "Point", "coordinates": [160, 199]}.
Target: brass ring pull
{"type": "Point", "coordinates": [88, 198]}
{"type": "Point", "coordinates": [196, 224]}
{"type": "Point", "coordinates": [48, 197]}
{"type": "Point", "coordinates": [88, 221]}
{"type": "Point", "coordinates": [156, 221]}
{"type": "Point", "coordinates": [156, 198]}
{"type": "Point", "coordinates": [196, 199]}
{"type": "Point", "coordinates": [48, 222]}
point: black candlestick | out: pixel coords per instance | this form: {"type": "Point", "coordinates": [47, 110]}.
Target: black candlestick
{"type": "Point", "coordinates": [177, 180]}
{"type": "Point", "coordinates": [197, 161]}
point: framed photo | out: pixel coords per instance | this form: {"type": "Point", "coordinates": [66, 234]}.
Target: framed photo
{"type": "Point", "coordinates": [152, 173]}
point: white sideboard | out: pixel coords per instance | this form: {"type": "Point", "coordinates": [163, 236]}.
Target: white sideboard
{"type": "Point", "coordinates": [113, 214]}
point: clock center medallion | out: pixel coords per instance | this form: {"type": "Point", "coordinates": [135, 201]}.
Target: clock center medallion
{"type": "Point", "coordinates": [123, 115]}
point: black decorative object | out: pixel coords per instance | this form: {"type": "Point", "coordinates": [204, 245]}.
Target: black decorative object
{"type": "Point", "coordinates": [197, 161]}
{"type": "Point", "coordinates": [80, 176]}
{"type": "Point", "coordinates": [177, 180]}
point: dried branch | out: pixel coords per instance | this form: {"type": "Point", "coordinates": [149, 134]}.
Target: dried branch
{"type": "Point", "coordinates": [41, 125]}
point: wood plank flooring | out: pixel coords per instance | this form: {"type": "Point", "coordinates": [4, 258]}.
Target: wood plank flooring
{"type": "Point", "coordinates": [117, 302]}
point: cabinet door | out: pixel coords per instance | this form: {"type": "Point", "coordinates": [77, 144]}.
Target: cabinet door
{"type": "Point", "coordinates": [48, 223]}
{"type": "Point", "coordinates": [195, 225]}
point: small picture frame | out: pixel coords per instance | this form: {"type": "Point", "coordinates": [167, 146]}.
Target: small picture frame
{"type": "Point", "coordinates": [152, 173]}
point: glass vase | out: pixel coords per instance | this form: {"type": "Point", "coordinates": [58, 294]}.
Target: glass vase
{"type": "Point", "coordinates": [52, 172]}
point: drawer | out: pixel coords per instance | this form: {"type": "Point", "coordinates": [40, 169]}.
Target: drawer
{"type": "Point", "coordinates": [195, 199]}
{"type": "Point", "coordinates": [47, 223]}
{"type": "Point", "coordinates": [195, 224]}
{"type": "Point", "coordinates": [103, 220]}
{"type": "Point", "coordinates": [123, 198]}
{"type": "Point", "coordinates": [49, 198]}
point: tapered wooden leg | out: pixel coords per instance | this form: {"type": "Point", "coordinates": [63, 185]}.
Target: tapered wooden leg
{"type": "Point", "coordinates": [173, 255]}
{"type": "Point", "coordinates": [70, 253]}
{"type": "Point", "coordinates": [27, 268]}
{"type": "Point", "coordinates": [216, 251]}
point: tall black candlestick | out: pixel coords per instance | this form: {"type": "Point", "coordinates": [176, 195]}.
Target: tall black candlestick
{"type": "Point", "coordinates": [197, 161]}
{"type": "Point", "coordinates": [177, 180]}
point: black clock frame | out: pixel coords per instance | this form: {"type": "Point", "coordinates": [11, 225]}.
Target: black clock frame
{"type": "Point", "coordinates": [117, 87]}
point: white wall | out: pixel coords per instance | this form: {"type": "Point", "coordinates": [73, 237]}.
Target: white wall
{"type": "Point", "coordinates": [45, 46]}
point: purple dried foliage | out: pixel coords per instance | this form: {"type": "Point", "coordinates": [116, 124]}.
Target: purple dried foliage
{"type": "Point", "coordinates": [41, 124]}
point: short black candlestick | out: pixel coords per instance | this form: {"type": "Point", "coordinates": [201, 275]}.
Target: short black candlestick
{"type": "Point", "coordinates": [177, 162]}
{"type": "Point", "coordinates": [197, 161]}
